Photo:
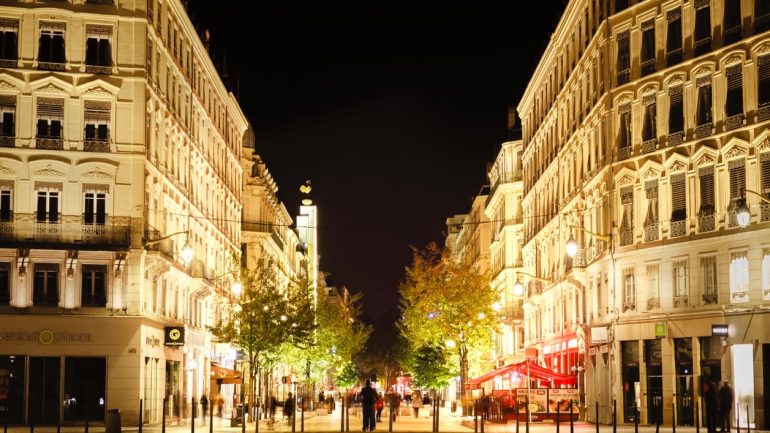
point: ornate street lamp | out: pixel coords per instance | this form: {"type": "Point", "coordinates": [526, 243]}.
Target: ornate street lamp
{"type": "Point", "coordinates": [742, 212]}
{"type": "Point", "coordinates": [572, 245]}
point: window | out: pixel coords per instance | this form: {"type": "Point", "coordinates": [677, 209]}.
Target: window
{"type": "Point", "coordinates": [46, 285]}
{"type": "Point", "coordinates": [97, 120]}
{"type": "Point", "coordinates": [629, 290]}
{"type": "Point", "coordinates": [766, 274]}
{"type": "Point", "coordinates": [674, 37]}
{"type": "Point", "coordinates": [51, 44]}
{"type": "Point", "coordinates": [737, 170]}
{"type": "Point", "coordinates": [732, 21]}
{"type": "Point", "coordinates": [94, 207]}
{"type": "Point", "coordinates": [649, 130]}
{"type": "Point", "coordinates": [708, 267]}
{"type": "Point", "coordinates": [627, 222]}
{"type": "Point", "coordinates": [93, 286]}
{"type": "Point", "coordinates": [624, 58]}
{"type": "Point", "coordinates": [702, 27]}
{"type": "Point", "coordinates": [761, 16]}
{"type": "Point", "coordinates": [620, 5]}
{"type": "Point", "coordinates": [653, 286]}
{"type": "Point", "coordinates": [763, 87]}
{"type": "Point", "coordinates": [678, 197]}
{"type": "Point", "coordinates": [9, 40]}
{"type": "Point", "coordinates": [734, 99]}
{"type": "Point", "coordinates": [680, 280]}
{"type": "Point", "coordinates": [704, 116]}
{"type": "Point", "coordinates": [764, 168]}
{"type": "Point", "coordinates": [675, 111]}
{"type": "Point", "coordinates": [706, 177]}
{"type": "Point", "coordinates": [98, 51]}
{"type": "Point", "coordinates": [7, 117]}
{"type": "Point", "coordinates": [739, 277]}
{"type": "Point", "coordinates": [624, 125]}
{"type": "Point", "coordinates": [651, 220]}
{"type": "Point", "coordinates": [150, 67]}
{"type": "Point", "coordinates": [48, 205]}
{"type": "Point", "coordinates": [50, 118]}
{"type": "Point", "coordinates": [6, 201]}
{"type": "Point", "coordinates": [5, 283]}
{"type": "Point", "coordinates": [648, 47]}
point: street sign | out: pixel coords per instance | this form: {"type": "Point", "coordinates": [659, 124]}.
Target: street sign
{"type": "Point", "coordinates": [660, 330]}
{"type": "Point", "coordinates": [173, 336]}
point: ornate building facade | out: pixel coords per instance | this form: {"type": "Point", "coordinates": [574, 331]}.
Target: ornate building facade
{"type": "Point", "coordinates": [645, 134]}
{"type": "Point", "coordinates": [120, 209]}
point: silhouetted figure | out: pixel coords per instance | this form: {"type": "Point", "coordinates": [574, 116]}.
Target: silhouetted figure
{"type": "Point", "coordinates": [725, 406]}
{"type": "Point", "coordinates": [710, 401]}
{"type": "Point", "coordinates": [368, 398]}
{"type": "Point", "coordinates": [288, 408]}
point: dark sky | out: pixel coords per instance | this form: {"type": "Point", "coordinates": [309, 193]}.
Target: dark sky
{"type": "Point", "coordinates": [391, 108]}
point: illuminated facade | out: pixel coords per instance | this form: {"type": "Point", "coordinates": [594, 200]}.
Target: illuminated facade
{"type": "Point", "coordinates": [120, 145]}
{"type": "Point", "coordinates": [643, 125]}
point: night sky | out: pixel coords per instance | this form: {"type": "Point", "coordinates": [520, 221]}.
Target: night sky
{"type": "Point", "coordinates": [392, 110]}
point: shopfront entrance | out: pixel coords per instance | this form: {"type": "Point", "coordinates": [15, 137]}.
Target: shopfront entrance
{"type": "Point", "coordinates": [684, 381]}
{"type": "Point", "coordinates": [44, 381]}
{"type": "Point", "coordinates": [630, 350]}
{"type": "Point", "coordinates": [653, 360]}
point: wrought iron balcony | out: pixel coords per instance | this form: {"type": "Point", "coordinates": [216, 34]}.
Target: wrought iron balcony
{"type": "Point", "coordinates": [624, 76]}
{"type": "Point", "coordinates": [51, 66]}
{"type": "Point", "coordinates": [626, 236]}
{"type": "Point", "coordinates": [764, 212]}
{"type": "Point", "coordinates": [534, 287]}
{"type": "Point", "coordinates": [675, 138]}
{"type": "Point", "coordinates": [624, 153]}
{"type": "Point", "coordinates": [678, 228]}
{"type": "Point", "coordinates": [706, 223]}
{"type": "Point", "coordinates": [198, 269]}
{"type": "Point", "coordinates": [681, 301]}
{"type": "Point", "coordinates": [702, 46]}
{"type": "Point", "coordinates": [653, 303]}
{"type": "Point", "coordinates": [9, 63]}
{"type": "Point", "coordinates": [740, 296]}
{"type": "Point", "coordinates": [651, 232]}
{"type": "Point", "coordinates": [649, 145]}
{"type": "Point", "coordinates": [709, 298]}
{"type": "Point", "coordinates": [579, 261]}
{"type": "Point", "coordinates": [704, 130]}
{"type": "Point", "coordinates": [96, 146]}
{"type": "Point", "coordinates": [7, 141]}
{"type": "Point", "coordinates": [24, 230]}
{"type": "Point", "coordinates": [732, 35]}
{"type": "Point", "coordinates": [648, 67]}
{"type": "Point", "coordinates": [763, 113]}
{"type": "Point", "coordinates": [732, 218]}
{"type": "Point", "coordinates": [95, 69]}
{"type": "Point", "coordinates": [673, 57]}
{"type": "Point", "coordinates": [734, 122]}
{"type": "Point", "coordinates": [49, 143]}
{"type": "Point", "coordinates": [629, 306]}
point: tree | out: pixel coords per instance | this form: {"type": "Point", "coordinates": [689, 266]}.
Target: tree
{"type": "Point", "coordinates": [443, 300]}
{"type": "Point", "coordinates": [271, 312]}
{"type": "Point", "coordinates": [386, 350]}
{"type": "Point", "coordinates": [347, 376]}
{"type": "Point", "coordinates": [431, 366]}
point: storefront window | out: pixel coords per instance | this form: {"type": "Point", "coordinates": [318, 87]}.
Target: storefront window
{"type": "Point", "coordinates": [653, 361]}
{"type": "Point", "coordinates": [630, 378]}
{"type": "Point", "coordinates": [12, 389]}
{"type": "Point", "coordinates": [44, 381]}
{"type": "Point", "coordinates": [84, 390]}
{"type": "Point", "coordinates": [684, 381]}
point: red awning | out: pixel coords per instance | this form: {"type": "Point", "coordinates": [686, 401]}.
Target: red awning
{"type": "Point", "coordinates": [225, 375]}
{"type": "Point", "coordinates": [524, 368]}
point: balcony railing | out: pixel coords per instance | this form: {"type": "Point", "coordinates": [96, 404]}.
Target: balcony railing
{"type": "Point", "coordinates": [704, 130]}
{"type": "Point", "coordinates": [763, 113]}
{"type": "Point", "coordinates": [764, 213]}
{"type": "Point", "coordinates": [681, 301]}
{"type": "Point", "coordinates": [629, 306]}
{"type": "Point", "coordinates": [256, 226]}
{"type": "Point", "coordinates": [653, 303]}
{"type": "Point", "coordinates": [709, 298]}
{"type": "Point", "coordinates": [648, 67]}
{"type": "Point", "coordinates": [675, 138]}
{"type": "Point", "coordinates": [674, 57]}
{"type": "Point", "coordinates": [534, 287]}
{"type": "Point", "coordinates": [706, 223]}
{"type": "Point", "coordinates": [24, 230]}
{"type": "Point", "coordinates": [94, 69]}
{"type": "Point", "coordinates": [51, 66]}
{"type": "Point", "coordinates": [702, 46]}
{"type": "Point", "coordinates": [734, 122]}
{"type": "Point", "coordinates": [9, 63]}
{"type": "Point", "coordinates": [678, 228]}
{"type": "Point", "coordinates": [626, 237]}
{"type": "Point", "coordinates": [96, 145]}
{"type": "Point", "coordinates": [624, 153]}
{"type": "Point", "coordinates": [732, 218]}
{"type": "Point", "coordinates": [732, 35]}
{"type": "Point", "coordinates": [7, 141]}
{"type": "Point", "coordinates": [739, 296]}
{"type": "Point", "coordinates": [198, 269]}
{"type": "Point", "coordinates": [49, 143]}
{"type": "Point", "coordinates": [624, 76]}
{"type": "Point", "coordinates": [651, 232]}
{"type": "Point", "coordinates": [649, 145]}
{"type": "Point", "coordinates": [579, 261]}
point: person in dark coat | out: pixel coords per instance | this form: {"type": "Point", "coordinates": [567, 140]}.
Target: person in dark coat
{"type": "Point", "coordinates": [710, 401]}
{"type": "Point", "coordinates": [725, 406]}
{"type": "Point", "coordinates": [288, 407]}
{"type": "Point", "coordinates": [368, 398]}
{"type": "Point", "coordinates": [204, 406]}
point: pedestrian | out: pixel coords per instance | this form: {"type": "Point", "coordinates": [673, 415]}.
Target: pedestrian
{"type": "Point", "coordinates": [368, 399]}
{"type": "Point", "coordinates": [320, 398]}
{"type": "Point", "coordinates": [221, 405]}
{"type": "Point", "coordinates": [288, 408]}
{"type": "Point", "coordinates": [379, 406]}
{"type": "Point", "coordinates": [204, 405]}
{"type": "Point", "coordinates": [416, 403]}
{"type": "Point", "coordinates": [710, 401]}
{"type": "Point", "coordinates": [725, 406]}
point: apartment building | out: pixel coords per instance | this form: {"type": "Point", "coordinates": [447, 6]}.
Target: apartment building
{"type": "Point", "coordinates": [120, 209]}
{"type": "Point", "coordinates": [645, 139]}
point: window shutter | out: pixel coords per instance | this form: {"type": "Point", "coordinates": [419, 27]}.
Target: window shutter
{"type": "Point", "coordinates": [676, 110]}
{"type": "Point", "coordinates": [624, 49]}
{"type": "Point", "coordinates": [674, 34]}
{"type": "Point", "coordinates": [704, 100]}
{"type": "Point", "coordinates": [678, 197]}
{"type": "Point", "coordinates": [706, 175]}
{"type": "Point", "coordinates": [97, 111]}
{"type": "Point", "coordinates": [734, 100]}
{"type": "Point", "coordinates": [763, 71]}
{"type": "Point", "coordinates": [737, 170]}
{"type": "Point", "coordinates": [48, 108]}
{"type": "Point", "coordinates": [765, 169]}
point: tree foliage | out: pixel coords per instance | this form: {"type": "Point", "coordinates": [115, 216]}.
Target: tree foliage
{"type": "Point", "coordinates": [385, 355]}
{"type": "Point", "coordinates": [445, 301]}
{"type": "Point", "coordinates": [431, 366]}
{"type": "Point", "coordinates": [347, 376]}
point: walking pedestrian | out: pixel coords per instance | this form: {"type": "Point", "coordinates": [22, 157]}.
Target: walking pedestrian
{"type": "Point", "coordinates": [368, 398]}
{"type": "Point", "coordinates": [710, 401]}
{"type": "Point", "coordinates": [288, 408]}
{"type": "Point", "coordinates": [416, 403]}
{"type": "Point", "coordinates": [379, 406]}
{"type": "Point", "coordinates": [725, 406]}
{"type": "Point", "coordinates": [204, 406]}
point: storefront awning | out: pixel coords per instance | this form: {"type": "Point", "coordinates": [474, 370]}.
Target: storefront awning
{"type": "Point", "coordinates": [523, 369]}
{"type": "Point", "coordinates": [225, 375]}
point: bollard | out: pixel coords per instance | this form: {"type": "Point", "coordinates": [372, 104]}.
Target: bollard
{"type": "Point", "coordinates": [526, 412]}
{"type": "Point", "coordinates": [483, 414]}
{"type": "Point", "coordinates": [141, 409]}
{"type": "Point", "coordinates": [86, 423]}
{"type": "Point", "coordinates": [211, 417]}
{"type": "Point", "coordinates": [558, 415]}
{"type": "Point", "coordinates": [657, 420]}
{"type": "Point", "coordinates": [192, 417]}
{"type": "Point", "coordinates": [614, 416]}
{"type": "Point", "coordinates": [571, 417]}
{"type": "Point", "coordinates": [636, 419]}
{"type": "Point", "coordinates": [516, 410]}
{"type": "Point", "coordinates": [738, 418]}
{"type": "Point", "coordinates": [163, 417]}
{"type": "Point", "coordinates": [475, 419]}
{"type": "Point", "coordinates": [748, 420]}
{"type": "Point", "coordinates": [673, 413]}
{"type": "Point", "coordinates": [597, 416]}
{"type": "Point", "coordinates": [697, 419]}
{"type": "Point", "coordinates": [342, 415]}
{"type": "Point", "coordinates": [347, 416]}
{"type": "Point", "coordinates": [390, 413]}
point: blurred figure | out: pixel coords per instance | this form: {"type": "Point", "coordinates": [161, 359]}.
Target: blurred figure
{"type": "Point", "coordinates": [725, 406]}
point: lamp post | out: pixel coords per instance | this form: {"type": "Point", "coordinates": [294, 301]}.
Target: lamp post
{"type": "Point", "coordinates": [518, 288]}
{"type": "Point", "coordinates": [743, 214]}
{"type": "Point", "coordinates": [187, 249]}
{"type": "Point", "coordinates": [572, 245]}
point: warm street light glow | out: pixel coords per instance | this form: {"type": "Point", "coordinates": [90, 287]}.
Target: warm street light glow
{"type": "Point", "coordinates": [450, 344]}
{"type": "Point", "coordinates": [496, 306]}
{"type": "Point", "coordinates": [187, 252]}
{"type": "Point", "coordinates": [237, 288]}
{"type": "Point", "coordinates": [265, 308]}
{"type": "Point", "coordinates": [283, 318]}
{"type": "Point", "coordinates": [572, 246]}
{"type": "Point", "coordinates": [518, 288]}
{"type": "Point", "coordinates": [743, 214]}
{"type": "Point", "coordinates": [482, 316]}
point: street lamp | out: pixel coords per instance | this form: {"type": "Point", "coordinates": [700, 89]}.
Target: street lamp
{"type": "Point", "coordinates": [742, 212]}
{"type": "Point", "coordinates": [236, 288]}
{"type": "Point", "coordinates": [518, 288]}
{"type": "Point", "coordinates": [572, 245]}
{"type": "Point", "coordinates": [187, 249]}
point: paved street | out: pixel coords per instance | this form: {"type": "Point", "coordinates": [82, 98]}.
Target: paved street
{"type": "Point", "coordinates": [331, 423]}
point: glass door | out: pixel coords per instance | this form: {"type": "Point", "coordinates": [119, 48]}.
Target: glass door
{"type": "Point", "coordinates": [684, 381]}
{"type": "Point", "coordinates": [44, 388]}
{"type": "Point", "coordinates": [653, 362]}
{"type": "Point", "coordinates": [630, 378]}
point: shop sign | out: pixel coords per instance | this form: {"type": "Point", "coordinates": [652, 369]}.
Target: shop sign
{"type": "Point", "coordinates": [152, 341]}
{"type": "Point", "coordinates": [46, 337]}
{"type": "Point", "coordinates": [719, 330]}
{"type": "Point", "coordinates": [173, 336]}
{"type": "Point", "coordinates": [660, 330]}
{"type": "Point", "coordinates": [599, 335]}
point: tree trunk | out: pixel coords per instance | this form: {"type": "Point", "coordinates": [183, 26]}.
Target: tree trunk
{"type": "Point", "coordinates": [463, 352]}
